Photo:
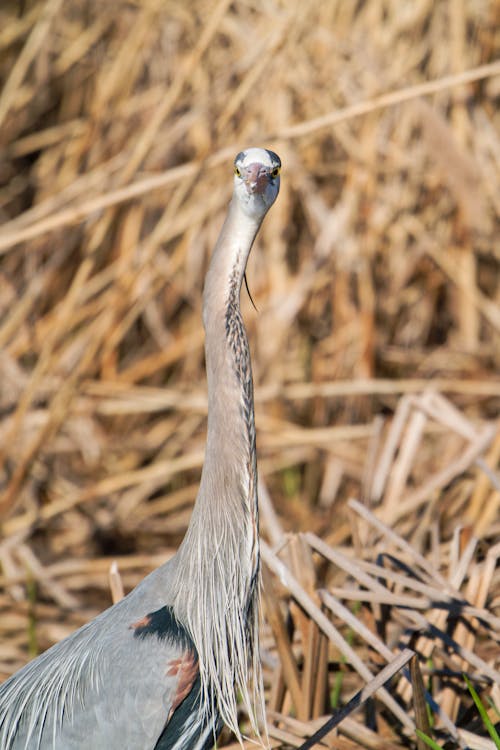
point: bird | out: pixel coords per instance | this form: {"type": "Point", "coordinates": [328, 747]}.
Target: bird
{"type": "Point", "coordinates": [162, 668]}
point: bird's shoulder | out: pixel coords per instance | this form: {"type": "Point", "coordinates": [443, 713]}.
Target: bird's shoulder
{"type": "Point", "coordinates": [115, 682]}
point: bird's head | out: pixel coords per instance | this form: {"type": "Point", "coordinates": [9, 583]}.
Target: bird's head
{"type": "Point", "coordinates": [256, 180]}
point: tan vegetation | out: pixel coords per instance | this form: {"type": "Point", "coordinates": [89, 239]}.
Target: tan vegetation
{"type": "Point", "coordinates": [376, 342]}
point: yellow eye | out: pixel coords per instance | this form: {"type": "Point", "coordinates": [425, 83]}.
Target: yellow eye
{"type": "Point", "coordinates": [237, 171]}
{"type": "Point", "coordinates": [275, 171]}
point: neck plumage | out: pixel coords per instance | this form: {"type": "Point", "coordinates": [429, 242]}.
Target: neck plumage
{"type": "Point", "coordinates": [230, 455]}
{"type": "Point", "coordinates": [218, 570]}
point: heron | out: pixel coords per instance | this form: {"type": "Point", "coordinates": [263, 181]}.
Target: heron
{"type": "Point", "coordinates": [162, 668]}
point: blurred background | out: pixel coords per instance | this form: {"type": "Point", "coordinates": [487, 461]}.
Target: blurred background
{"type": "Point", "coordinates": [376, 279]}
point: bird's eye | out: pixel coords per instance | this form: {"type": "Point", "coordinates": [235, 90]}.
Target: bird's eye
{"type": "Point", "coordinates": [275, 172]}
{"type": "Point", "coordinates": [237, 171]}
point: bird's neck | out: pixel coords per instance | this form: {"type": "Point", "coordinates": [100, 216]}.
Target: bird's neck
{"type": "Point", "coordinates": [230, 453]}
{"type": "Point", "coordinates": [228, 263]}
{"type": "Point", "coordinates": [226, 507]}
{"type": "Point", "coordinates": [216, 593]}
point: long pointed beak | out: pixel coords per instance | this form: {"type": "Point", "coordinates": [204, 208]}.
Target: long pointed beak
{"type": "Point", "coordinates": [256, 178]}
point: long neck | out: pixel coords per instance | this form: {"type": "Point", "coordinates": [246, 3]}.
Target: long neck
{"type": "Point", "coordinates": [219, 557]}
{"type": "Point", "coordinates": [227, 496]}
{"type": "Point", "coordinates": [231, 428]}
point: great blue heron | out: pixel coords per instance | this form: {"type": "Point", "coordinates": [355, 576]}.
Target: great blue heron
{"type": "Point", "coordinates": [160, 668]}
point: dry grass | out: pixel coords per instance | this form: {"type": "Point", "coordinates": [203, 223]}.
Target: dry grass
{"type": "Point", "coordinates": [376, 346]}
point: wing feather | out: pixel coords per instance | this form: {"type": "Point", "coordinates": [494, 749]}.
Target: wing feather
{"type": "Point", "coordinates": [109, 685]}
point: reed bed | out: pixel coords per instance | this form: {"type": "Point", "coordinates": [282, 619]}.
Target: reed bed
{"type": "Point", "coordinates": [375, 346]}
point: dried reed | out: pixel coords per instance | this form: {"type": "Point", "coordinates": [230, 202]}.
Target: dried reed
{"type": "Point", "coordinates": [377, 273]}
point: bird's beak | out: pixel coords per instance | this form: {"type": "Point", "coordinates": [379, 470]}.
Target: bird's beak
{"type": "Point", "coordinates": [257, 178]}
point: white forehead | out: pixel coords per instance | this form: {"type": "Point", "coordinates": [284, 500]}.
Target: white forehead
{"type": "Point", "coordinates": [255, 155]}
